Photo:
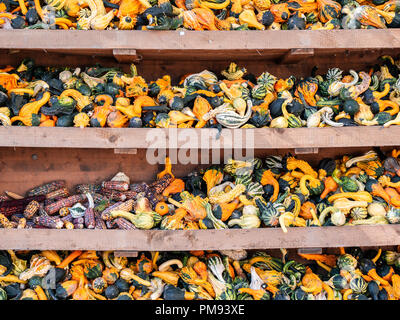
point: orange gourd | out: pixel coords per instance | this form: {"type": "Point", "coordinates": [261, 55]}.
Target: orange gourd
{"type": "Point", "coordinates": [201, 269]}
{"type": "Point", "coordinates": [330, 186]}
{"type": "Point", "coordinates": [267, 178]}
{"type": "Point", "coordinates": [116, 120]}
{"type": "Point", "coordinates": [200, 108]}
{"type": "Point", "coordinates": [394, 196]}
{"type": "Point", "coordinates": [176, 186]}
{"type": "Point", "coordinates": [305, 210]}
{"type": "Point", "coordinates": [228, 208]}
{"type": "Point", "coordinates": [280, 12]}
{"type": "Point", "coordinates": [206, 18]}
{"type": "Point", "coordinates": [190, 21]}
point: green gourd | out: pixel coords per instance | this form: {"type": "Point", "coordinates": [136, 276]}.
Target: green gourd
{"type": "Point", "coordinates": [3, 294]}
{"type": "Point", "coordinates": [269, 214]}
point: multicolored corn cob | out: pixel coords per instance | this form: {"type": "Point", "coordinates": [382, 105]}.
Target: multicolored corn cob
{"type": "Point", "coordinates": [31, 209]}
{"type": "Point", "coordinates": [10, 207]}
{"type": "Point", "coordinates": [123, 224]}
{"type": "Point", "coordinates": [97, 197]}
{"type": "Point", "coordinates": [21, 223]}
{"type": "Point", "coordinates": [69, 225]}
{"type": "Point", "coordinates": [161, 184]}
{"type": "Point", "coordinates": [79, 226]}
{"type": "Point", "coordinates": [68, 218]}
{"type": "Point", "coordinates": [67, 202]}
{"type": "Point", "coordinates": [130, 194]}
{"type": "Point", "coordinates": [110, 208]}
{"type": "Point", "coordinates": [100, 224]}
{"type": "Point", "coordinates": [139, 187]}
{"type": "Point", "coordinates": [63, 212]}
{"type": "Point", "coordinates": [90, 222]}
{"type": "Point", "coordinates": [115, 185]}
{"type": "Point", "coordinates": [49, 222]}
{"type": "Point", "coordinates": [80, 220]}
{"type": "Point", "coordinates": [59, 193]}
{"type": "Point", "coordinates": [88, 188]}
{"type": "Point", "coordinates": [113, 194]}
{"type": "Point", "coordinates": [47, 188]}
{"type": "Point", "coordinates": [5, 223]}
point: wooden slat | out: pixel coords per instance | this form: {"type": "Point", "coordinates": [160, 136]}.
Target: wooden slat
{"type": "Point", "coordinates": [185, 240]}
{"type": "Point", "coordinates": [194, 40]}
{"type": "Point", "coordinates": [202, 45]}
{"type": "Point", "coordinates": [263, 138]}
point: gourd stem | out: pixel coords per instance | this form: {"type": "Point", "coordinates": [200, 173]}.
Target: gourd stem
{"type": "Point", "coordinates": [324, 266]}
{"type": "Point", "coordinates": [377, 256]}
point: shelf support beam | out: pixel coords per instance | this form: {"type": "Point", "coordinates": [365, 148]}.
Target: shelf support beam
{"type": "Point", "coordinates": [129, 254]}
{"type": "Point", "coordinates": [296, 55]}
{"type": "Point", "coordinates": [127, 55]}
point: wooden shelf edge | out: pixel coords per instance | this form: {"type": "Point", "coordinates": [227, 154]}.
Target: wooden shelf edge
{"type": "Point", "coordinates": [156, 41]}
{"type": "Point", "coordinates": [157, 138]}
{"type": "Point", "coordinates": [186, 240]}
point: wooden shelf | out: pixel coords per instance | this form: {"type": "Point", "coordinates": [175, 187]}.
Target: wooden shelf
{"type": "Point", "coordinates": [202, 44]}
{"type": "Point", "coordinates": [186, 240]}
{"type": "Point", "coordinates": [262, 138]}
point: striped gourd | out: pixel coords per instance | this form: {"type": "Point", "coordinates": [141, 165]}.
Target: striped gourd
{"type": "Point", "coordinates": [273, 162]}
{"type": "Point", "coordinates": [254, 189]}
{"type": "Point", "coordinates": [256, 163]}
{"type": "Point", "coordinates": [267, 80]}
{"type": "Point", "coordinates": [243, 179]}
{"type": "Point", "coordinates": [232, 120]}
{"type": "Point", "coordinates": [321, 206]}
{"type": "Point", "coordinates": [268, 213]}
{"type": "Point", "coordinates": [358, 213]}
{"type": "Point", "coordinates": [323, 102]}
{"type": "Point", "coordinates": [259, 92]}
{"type": "Point", "coordinates": [358, 285]}
{"type": "Point", "coordinates": [393, 215]}
{"type": "Point", "coordinates": [294, 122]}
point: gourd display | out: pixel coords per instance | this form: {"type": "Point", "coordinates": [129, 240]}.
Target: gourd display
{"type": "Point", "coordinates": [198, 15]}
{"type": "Point", "coordinates": [34, 95]}
{"type": "Point", "coordinates": [279, 191]}
{"type": "Point", "coordinates": [198, 275]}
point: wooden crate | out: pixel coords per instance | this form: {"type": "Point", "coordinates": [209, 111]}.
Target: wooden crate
{"type": "Point", "coordinates": [32, 156]}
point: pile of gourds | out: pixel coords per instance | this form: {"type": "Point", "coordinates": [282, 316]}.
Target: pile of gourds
{"type": "Point", "coordinates": [198, 14]}
{"type": "Point", "coordinates": [33, 95]}
{"type": "Point", "coordinates": [279, 191]}
{"type": "Point", "coordinates": [199, 275]}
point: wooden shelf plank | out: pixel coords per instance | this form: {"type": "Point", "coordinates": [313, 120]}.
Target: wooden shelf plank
{"type": "Point", "coordinates": [143, 138]}
{"type": "Point", "coordinates": [185, 240]}
{"type": "Point", "coordinates": [200, 44]}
